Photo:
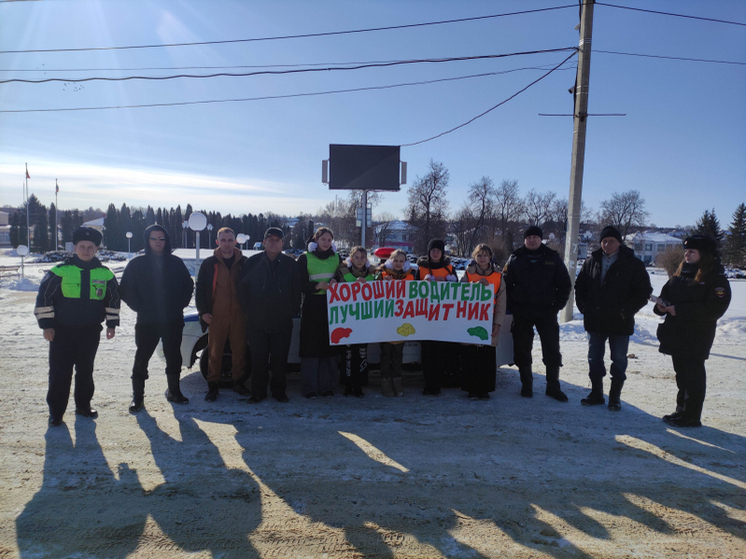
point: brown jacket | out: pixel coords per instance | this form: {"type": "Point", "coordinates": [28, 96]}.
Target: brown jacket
{"type": "Point", "coordinates": [216, 286]}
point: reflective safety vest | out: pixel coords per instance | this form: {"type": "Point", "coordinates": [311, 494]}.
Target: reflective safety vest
{"type": "Point", "coordinates": [72, 288]}
{"type": "Point", "coordinates": [350, 277]}
{"type": "Point", "coordinates": [441, 272]}
{"type": "Point", "coordinates": [388, 273]}
{"type": "Point", "coordinates": [321, 269]}
{"type": "Point", "coordinates": [494, 278]}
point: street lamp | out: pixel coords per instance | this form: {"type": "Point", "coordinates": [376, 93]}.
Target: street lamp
{"type": "Point", "coordinates": [22, 251]}
{"type": "Point", "coordinates": [209, 235]}
{"type": "Point", "coordinates": [197, 222]}
{"type": "Point", "coordinates": [184, 226]}
{"type": "Point", "coordinates": [128, 234]}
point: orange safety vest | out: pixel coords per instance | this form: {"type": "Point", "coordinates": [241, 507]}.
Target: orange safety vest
{"type": "Point", "coordinates": [494, 278]}
{"type": "Point", "coordinates": [386, 272]}
{"type": "Point", "coordinates": [437, 272]}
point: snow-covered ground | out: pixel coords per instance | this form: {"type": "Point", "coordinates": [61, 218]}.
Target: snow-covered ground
{"type": "Point", "coordinates": [372, 477]}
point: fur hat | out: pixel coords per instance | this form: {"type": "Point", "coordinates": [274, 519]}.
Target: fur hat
{"type": "Point", "coordinates": [702, 243]}
{"type": "Point", "coordinates": [87, 234]}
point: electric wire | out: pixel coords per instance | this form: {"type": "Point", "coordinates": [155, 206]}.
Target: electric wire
{"type": "Point", "coordinates": [300, 36]}
{"type": "Point", "coordinates": [273, 97]}
{"type": "Point", "coordinates": [685, 59]}
{"type": "Point", "coordinates": [282, 72]}
{"type": "Point", "coordinates": [516, 94]}
{"type": "Point", "coordinates": [713, 20]}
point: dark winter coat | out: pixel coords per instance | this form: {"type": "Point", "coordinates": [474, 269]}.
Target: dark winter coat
{"type": "Point", "coordinates": [157, 292]}
{"type": "Point", "coordinates": [314, 326]}
{"type": "Point", "coordinates": [536, 281]}
{"type": "Point", "coordinates": [609, 307]}
{"type": "Point", "coordinates": [697, 305]}
{"type": "Point", "coordinates": [269, 292]}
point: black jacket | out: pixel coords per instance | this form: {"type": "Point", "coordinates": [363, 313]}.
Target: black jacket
{"type": "Point", "coordinates": [536, 281]}
{"type": "Point", "coordinates": [697, 305]}
{"type": "Point", "coordinates": [609, 307]}
{"type": "Point", "coordinates": [269, 292]}
{"type": "Point", "coordinates": [157, 293]}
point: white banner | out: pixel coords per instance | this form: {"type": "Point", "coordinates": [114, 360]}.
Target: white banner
{"type": "Point", "coordinates": [391, 311]}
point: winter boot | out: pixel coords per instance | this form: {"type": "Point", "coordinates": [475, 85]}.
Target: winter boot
{"type": "Point", "coordinates": [615, 393]}
{"type": "Point", "coordinates": [527, 383]}
{"type": "Point", "coordinates": [553, 385]}
{"type": "Point", "coordinates": [675, 415]}
{"type": "Point", "coordinates": [212, 391]}
{"type": "Point", "coordinates": [138, 394]}
{"type": "Point", "coordinates": [396, 383]}
{"type": "Point", "coordinates": [596, 397]}
{"type": "Point", "coordinates": [173, 394]}
{"type": "Point", "coordinates": [387, 388]}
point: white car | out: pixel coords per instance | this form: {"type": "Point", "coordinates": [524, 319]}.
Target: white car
{"type": "Point", "coordinates": [194, 341]}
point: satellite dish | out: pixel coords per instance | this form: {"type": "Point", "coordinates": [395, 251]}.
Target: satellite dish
{"type": "Point", "coordinates": [197, 221]}
{"type": "Point", "coordinates": [22, 250]}
{"type": "Point", "coordinates": [241, 238]}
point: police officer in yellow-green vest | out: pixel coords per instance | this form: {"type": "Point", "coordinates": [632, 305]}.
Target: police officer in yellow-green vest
{"type": "Point", "coordinates": [74, 298]}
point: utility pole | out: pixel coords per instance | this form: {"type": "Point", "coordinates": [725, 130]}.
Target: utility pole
{"type": "Point", "coordinates": [580, 118]}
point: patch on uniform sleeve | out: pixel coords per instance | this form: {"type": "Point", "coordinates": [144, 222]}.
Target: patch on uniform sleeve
{"type": "Point", "coordinates": [719, 292]}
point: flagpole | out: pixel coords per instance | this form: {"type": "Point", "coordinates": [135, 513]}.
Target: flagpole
{"type": "Point", "coordinates": [28, 219]}
{"type": "Point", "coordinates": [56, 213]}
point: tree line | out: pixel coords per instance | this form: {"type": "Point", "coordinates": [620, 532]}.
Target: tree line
{"type": "Point", "coordinates": [491, 213]}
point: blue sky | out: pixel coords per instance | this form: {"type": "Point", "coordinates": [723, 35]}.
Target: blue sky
{"type": "Point", "coordinates": [682, 143]}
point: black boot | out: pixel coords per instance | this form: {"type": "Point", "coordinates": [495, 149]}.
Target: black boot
{"type": "Point", "coordinates": [615, 393]}
{"type": "Point", "coordinates": [675, 415]}
{"type": "Point", "coordinates": [173, 394]}
{"type": "Point", "coordinates": [553, 385]}
{"type": "Point", "coordinates": [596, 397]}
{"type": "Point", "coordinates": [527, 383]}
{"type": "Point", "coordinates": [213, 389]}
{"type": "Point", "coordinates": [138, 394]}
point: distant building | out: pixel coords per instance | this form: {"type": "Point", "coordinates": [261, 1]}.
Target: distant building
{"type": "Point", "coordinates": [649, 244]}
{"type": "Point", "coordinates": [4, 229]}
{"type": "Point", "coordinates": [398, 234]}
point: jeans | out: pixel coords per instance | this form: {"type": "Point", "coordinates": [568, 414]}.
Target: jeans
{"type": "Point", "coordinates": [596, 349]}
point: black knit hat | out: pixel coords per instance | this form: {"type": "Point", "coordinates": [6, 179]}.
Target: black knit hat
{"type": "Point", "coordinates": [533, 230]}
{"type": "Point", "coordinates": [702, 243]}
{"type": "Point", "coordinates": [87, 234]}
{"type": "Point", "coordinates": [610, 231]}
{"type": "Point", "coordinates": [436, 243]}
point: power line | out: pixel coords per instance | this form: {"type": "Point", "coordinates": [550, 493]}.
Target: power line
{"type": "Point", "coordinates": [295, 71]}
{"type": "Point", "coordinates": [492, 108]}
{"type": "Point", "coordinates": [673, 57]}
{"type": "Point", "coordinates": [713, 20]}
{"type": "Point", "coordinates": [273, 97]}
{"type": "Point", "coordinates": [300, 36]}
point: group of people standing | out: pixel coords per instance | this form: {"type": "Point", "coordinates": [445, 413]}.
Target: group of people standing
{"type": "Point", "coordinates": [253, 300]}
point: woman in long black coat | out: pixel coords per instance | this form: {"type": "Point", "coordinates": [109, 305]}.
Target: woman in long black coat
{"type": "Point", "coordinates": [692, 301]}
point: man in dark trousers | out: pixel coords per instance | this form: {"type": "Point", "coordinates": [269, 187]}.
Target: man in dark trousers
{"type": "Point", "coordinates": [74, 298]}
{"type": "Point", "coordinates": [270, 296]}
{"type": "Point", "coordinates": [538, 286]}
{"type": "Point", "coordinates": [611, 287]}
{"type": "Point", "coordinates": [219, 308]}
{"type": "Point", "coordinates": [157, 286]}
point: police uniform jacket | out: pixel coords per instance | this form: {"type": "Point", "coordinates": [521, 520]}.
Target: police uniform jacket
{"type": "Point", "coordinates": [609, 306]}
{"type": "Point", "coordinates": [77, 293]}
{"type": "Point", "coordinates": [698, 305]}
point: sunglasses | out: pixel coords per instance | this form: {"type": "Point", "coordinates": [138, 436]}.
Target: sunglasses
{"type": "Point", "coordinates": [161, 239]}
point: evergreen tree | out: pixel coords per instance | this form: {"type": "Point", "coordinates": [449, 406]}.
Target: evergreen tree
{"type": "Point", "coordinates": [735, 245]}
{"type": "Point", "coordinates": [14, 230]}
{"type": "Point", "coordinates": [111, 228]}
{"type": "Point", "coordinates": [41, 232]}
{"type": "Point", "coordinates": [67, 226]}
{"type": "Point", "coordinates": [709, 225]}
{"type": "Point", "coordinates": [53, 237]}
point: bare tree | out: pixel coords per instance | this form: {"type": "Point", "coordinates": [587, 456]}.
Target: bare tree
{"type": "Point", "coordinates": [508, 209]}
{"type": "Point", "coordinates": [482, 197]}
{"type": "Point", "coordinates": [463, 227]}
{"type": "Point", "coordinates": [383, 228]}
{"type": "Point", "coordinates": [427, 206]}
{"type": "Point", "coordinates": [537, 206]}
{"type": "Point", "coordinates": [624, 211]}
